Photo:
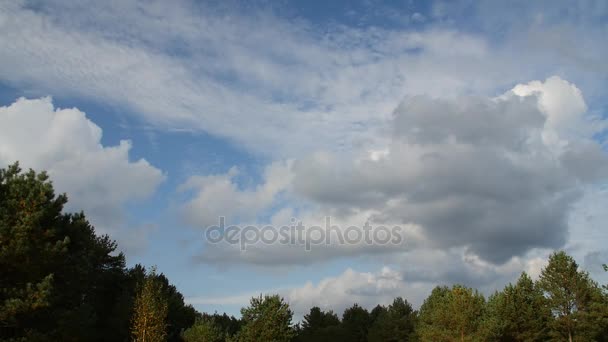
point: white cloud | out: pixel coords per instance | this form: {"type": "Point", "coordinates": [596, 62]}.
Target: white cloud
{"type": "Point", "coordinates": [368, 289]}
{"type": "Point", "coordinates": [413, 280]}
{"type": "Point", "coordinates": [465, 172]}
{"type": "Point", "coordinates": [451, 163]}
{"type": "Point", "coordinates": [202, 69]}
{"type": "Point", "coordinates": [336, 293]}
{"type": "Point", "coordinates": [474, 172]}
{"type": "Point", "coordinates": [99, 180]}
{"type": "Point", "coordinates": [220, 195]}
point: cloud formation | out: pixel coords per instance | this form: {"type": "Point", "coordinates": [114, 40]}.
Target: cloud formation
{"type": "Point", "coordinates": [484, 180]}
{"type": "Point", "coordinates": [200, 68]}
{"type": "Point", "coordinates": [220, 195]}
{"type": "Point", "coordinates": [497, 177]}
{"type": "Point", "coordinates": [99, 180]}
{"type": "Point", "coordinates": [414, 280]}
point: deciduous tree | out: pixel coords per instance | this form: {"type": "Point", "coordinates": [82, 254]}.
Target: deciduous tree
{"type": "Point", "coordinates": [150, 312]}
{"type": "Point", "coordinates": [267, 318]}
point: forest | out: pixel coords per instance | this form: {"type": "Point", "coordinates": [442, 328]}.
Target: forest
{"type": "Point", "coordinates": [60, 281]}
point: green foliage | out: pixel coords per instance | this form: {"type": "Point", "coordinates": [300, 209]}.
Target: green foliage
{"type": "Point", "coordinates": [320, 326]}
{"type": "Point", "coordinates": [356, 321]}
{"type": "Point", "coordinates": [573, 299]}
{"type": "Point", "coordinates": [179, 315]}
{"type": "Point", "coordinates": [396, 323]}
{"type": "Point", "coordinates": [60, 281]}
{"type": "Point", "coordinates": [518, 313]}
{"type": "Point", "coordinates": [451, 315]}
{"type": "Point", "coordinates": [29, 214]}
{"type": "Point", "coordinates": [53, 265]}
{"type": "Point", "coordinates": [204, 330]}
{"type": "Point", "coordinates": [229, 325]}
{"type": "Point", "coordinates": [268, 318]}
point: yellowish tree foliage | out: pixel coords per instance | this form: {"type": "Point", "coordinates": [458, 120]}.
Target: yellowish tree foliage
{"type": "Point", "coordinates": [150, 312]}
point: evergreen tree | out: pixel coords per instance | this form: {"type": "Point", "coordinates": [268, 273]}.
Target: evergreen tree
{"type": "Point", "coordinates": [518, 313]}
{"type": "Point", "coordinates": [268, 318]}
{"type": "Point", "coordinates": [30, 244]}
{"type": "Point", "coordinates": [229, 325]}
{"type": "Point", "coordinates": [59, 279]}
{"type": "Point", "coordinates": [179, 315]}
{"type": "Point", "coordinates": [396, 323]}
{"type": "Point", "coordinates": [203, 330]}
{"type": "Point", "coordinates": [570, 297]}
{"type": "Point", "coordinates": [451, 315]}
{"type": "Point", "coordinates": [320, 326]}
{"type": "Point", "coordinates": [376, 312]}
{"type": "Point", "coordinates": [356, 322]}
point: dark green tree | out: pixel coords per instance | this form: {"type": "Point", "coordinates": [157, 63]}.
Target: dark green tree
{"type": "Point", "coordinates": [29, 246]}
{"type": "Point", "coordinates": [60, 281]}
{"type": "Point", "coordinates": [321, 326]}
{"type": "Point", "coordinates": [229, 325]}
{"type": "Point", "coordinates": [518, 313]}
{"type": "Point", "coordinates": [395, 323]}
{"type": "Point", "coordinates": [356, 322]}
{"type": "Point", "coordinates": [179, 315]}
{"type": "Point", "coordinates": [57, 276]}
{"type": "Point", "coordinates": [376, 312]}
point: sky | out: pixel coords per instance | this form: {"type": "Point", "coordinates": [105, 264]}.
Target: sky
{"type": "Point", "coordinates": [477, 128]}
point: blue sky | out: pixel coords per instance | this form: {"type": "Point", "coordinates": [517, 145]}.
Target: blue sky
{"type": "Point", "coordinates": [478, 127]}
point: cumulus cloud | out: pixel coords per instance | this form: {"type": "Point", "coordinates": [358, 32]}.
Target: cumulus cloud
{"type": "Point", "coordinates": [339, 292]}
{"type": "Point", "coordinates": [98, 179]}
{"type": "Point", "coordinates": [495, 177]}
{"type": "Point", "coordinates": [413, 280]}
{"type": "Point", "coordinates": [220, 196]}
{"type": "Point", "coordinates": [334, 293]}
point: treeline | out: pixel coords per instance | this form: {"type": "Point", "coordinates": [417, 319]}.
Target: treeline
{"type": "Point", "coordinates": [563, 305]}
{"type": "Point", "coordinates": [61, 282]}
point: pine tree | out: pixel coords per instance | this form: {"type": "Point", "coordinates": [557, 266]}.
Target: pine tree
{"type": "Point", "coordinates": [356, 321]}
{"type": "Point", "coordinates": [574, 299]}
{"type": "Point", "coordinates": [451, 315]}
{"type": "Point", "coordinates": [30, 214]}
{"type": "Point", "coordinates": [395, 324]}
{"type": "Point", "coordinates": [518, 313]}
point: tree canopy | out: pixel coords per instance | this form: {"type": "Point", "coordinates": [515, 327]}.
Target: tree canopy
{"type": "Point", "coordinates": [60, 281]}
{"type": "Point", "coordinates": [63, 282]}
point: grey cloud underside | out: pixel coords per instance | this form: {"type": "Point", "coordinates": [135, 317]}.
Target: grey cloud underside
{"type": "Point", "coordinates": [472, 172]}
{"type": "Point", "coordinates": [288, 255]}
